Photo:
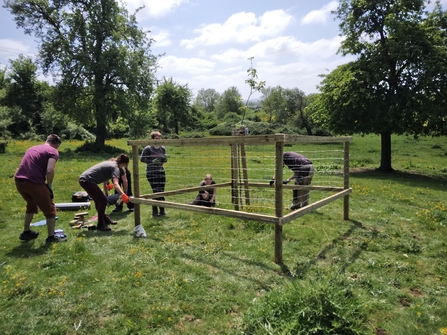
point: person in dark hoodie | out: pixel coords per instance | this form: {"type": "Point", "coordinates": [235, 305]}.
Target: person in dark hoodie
{"type": "Point", "coordinates": [155, 156]}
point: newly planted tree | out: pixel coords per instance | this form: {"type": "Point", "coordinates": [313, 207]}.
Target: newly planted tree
{"type": "Point", "coordinates": [254, 85]}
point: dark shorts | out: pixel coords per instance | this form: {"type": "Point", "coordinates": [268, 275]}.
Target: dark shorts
{"type": "Point", "coordinates": [36, 196]}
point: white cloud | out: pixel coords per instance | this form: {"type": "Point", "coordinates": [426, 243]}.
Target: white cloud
{"type": "Point", "coordinates": [196, 66]}
{"type": "Point", "coordinates": [11, 49]}
{"type": "Point", "coordinates": [231, 56]}
{"type": "Point", "coordinates": [282, 48]}
{"type": "Point", "coordinates": [240, 28]}
{"type": "Point", "coordinates": [302, 74]}
{"type": "Point", "coordinates": [160, 36]}
{"type": "Point", "coordinates": [154, 9]}
{"type": "Point", "coordinates": [321, 15]}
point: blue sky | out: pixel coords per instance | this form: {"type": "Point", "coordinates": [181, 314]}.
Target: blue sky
{"type": "Point", "coordinates": [207, 43]}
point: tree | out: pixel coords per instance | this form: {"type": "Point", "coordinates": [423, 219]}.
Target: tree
{"type": "Point", "coordinates": [5, 118]}
{"type": "Point", "coordinates": [296, 102]}
{"type": "Point", "coordinates": [229, 101]}
{"type": "Point", "coordinates": [207, 99]}
{"type": "Point", "coordinates": [23, 96]}
{"type": "Point", "coordinates": [273, 103]}
{"type": "Point", "coordinates": [173, 105]}
{"type": "Point", "coordinates": [389, 89]}
{"type": "Point", "coordinates": [99, 56]}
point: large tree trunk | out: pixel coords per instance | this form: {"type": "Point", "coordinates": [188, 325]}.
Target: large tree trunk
{"type": "Point", "coordinates": [101, 133]}
{"type": "Point", "coordinates": [305, 122]}
{"type": "Point", "coordinates": [385, 161]}
{"type": "Point", "coordinates": [100, 111]}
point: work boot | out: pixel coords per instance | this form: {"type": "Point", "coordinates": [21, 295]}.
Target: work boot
{"type": "Point", "coordinates": [154, 211]}
{"type": "Point", "coordinates": [28, 235]}
{"type": "Point", "coordinates": [102, 226]}
{"type": "Point", "coordinates": [118, 209]}
{"type": "Point", "coordinates": [162, 211]}
{"type": "Point", "coordinates": [108, 221]}
{"type": "Point", "coordinates": [295, 206]}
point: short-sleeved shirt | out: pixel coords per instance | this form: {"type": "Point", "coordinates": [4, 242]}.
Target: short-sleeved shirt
{"type": "Point", "coordinates": [101, 172]}
{"type": "Point", "coordinates": [33, 166]}
{"type": "Point", "coordinates": [149, 154]}
{"type": "Point", "coordinates": [295, 162]}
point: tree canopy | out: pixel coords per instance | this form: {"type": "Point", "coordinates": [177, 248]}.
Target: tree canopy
{"type": "Point", "coordinates": [207, 99]}
{"type": "Point", "coordinates": [100, 59]}
{"type": "Point", "coordinates": [397, 84]}
{"type": "Point", "coordinates": [229, 101]}
{"type": "Point", "coordinates": [173, 105]}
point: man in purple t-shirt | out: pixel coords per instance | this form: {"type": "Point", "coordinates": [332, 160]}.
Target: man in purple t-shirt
{"type": "Point", "coordinates": [303, 171]}
{"type": "Point", "coordinates": [34, 179]}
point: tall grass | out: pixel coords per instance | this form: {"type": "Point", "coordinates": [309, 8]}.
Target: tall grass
{"type": "Point", "coordinates": [383, 271]}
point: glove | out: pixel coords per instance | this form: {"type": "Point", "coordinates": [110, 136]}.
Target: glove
{"type": "Point", "coordinates": [156, 160]}
{"type": "Point", "coordinates": [110, 186]}
{"type": "Point", "coordinates": [50, 188]}
{"type": "Point", "coordinates": [285, 182]}
{"type": "Point", "coordinates": [125, 198]}
{"type": "Point", "coordinates": [272, 182]}
{"type": "Point", "coordinates": [164, 159]}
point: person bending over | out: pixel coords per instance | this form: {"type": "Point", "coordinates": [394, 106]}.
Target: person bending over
{"type": "Point", "coordinates": [34, 181]}
{"type": "Point", "coordinates": [303, 172]}
{"type": "Point", "coordinates": [101, 173]}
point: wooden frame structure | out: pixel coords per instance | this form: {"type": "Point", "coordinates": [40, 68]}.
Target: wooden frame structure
{"type": "Point", "coordinates": [237, 146]}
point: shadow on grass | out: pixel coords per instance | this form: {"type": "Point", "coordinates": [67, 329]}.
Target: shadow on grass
{"type": "Point", "coordinates": [237, 274]}
{"type": "Point", "coordinates": [400, 177]}
{"type": "Point", "coordinates": [85, 233]}
{"type": "Point", "coordinates": [302, 269]}
{"type": "Point", "coordinates": [27, 250]}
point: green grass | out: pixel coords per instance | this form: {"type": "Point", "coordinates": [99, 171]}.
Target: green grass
{"type": "Point", "coordinates": [199, 274]}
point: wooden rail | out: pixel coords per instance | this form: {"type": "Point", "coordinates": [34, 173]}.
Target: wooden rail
{"type": "Point", "coordinates": [237, 151]}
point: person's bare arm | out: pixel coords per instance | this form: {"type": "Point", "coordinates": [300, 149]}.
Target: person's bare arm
{"type": "Point", "coordinates": [116, 183]}
{"type": "Point", "coordinates": [125, 183]}
{"type": "Point", "coordinates": [50, 170]}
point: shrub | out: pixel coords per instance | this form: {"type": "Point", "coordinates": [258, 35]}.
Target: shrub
{"type": "Point", "coordinates": [171, 136]}
{"type": "Point", "coordinates": [222, 129]}
{"type": "Point", "coordinates": [232, 117]}
{"type": "Point", "coordinates": [3, 146]}
{"type": "Point", "coordinates": [119, 128]}
{"type": "Point", "coordinates": [261, 128]}
{"type": "Point", "coordinates": [325, 305]}
{"type": "Point", "coordinates": [76, 132]}
{"type": "Point", "coordinates": [194, 135]}
{"type": "Point", "coordinates": [94, 148]}
{"type": "Point", "coordinates": [321, 132]}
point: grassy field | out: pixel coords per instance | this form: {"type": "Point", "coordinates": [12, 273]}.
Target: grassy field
{"type": "Point", "coordinates": [199, 274]}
